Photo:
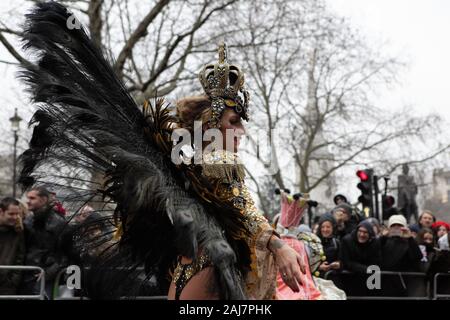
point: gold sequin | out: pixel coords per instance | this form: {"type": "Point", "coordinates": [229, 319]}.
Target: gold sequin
{"type": "Point", "coordinates": [190, 269]}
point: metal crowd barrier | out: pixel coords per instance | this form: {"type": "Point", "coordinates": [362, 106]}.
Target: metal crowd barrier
{"type": "Point", "coordinates": [146, 298]}
{"type": "Point", "coordinates": [401, 277]}
{"type": "Point", "coordinates": [422, 276]}
{"type": "Point", "coordinates": [63, 270]}
{"type": "Point", "coordinates": [436, 294]}
{"type": "Point", "coordinates": [41, 295]}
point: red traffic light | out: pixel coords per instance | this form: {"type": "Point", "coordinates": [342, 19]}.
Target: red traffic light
{"type": "Point", "coordinates": [362, 174]}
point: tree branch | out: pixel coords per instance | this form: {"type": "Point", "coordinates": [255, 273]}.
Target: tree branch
{"type": "Point", "coordinates": [12, 51]}
{"type": "Point", "coordinates": [139, 33]}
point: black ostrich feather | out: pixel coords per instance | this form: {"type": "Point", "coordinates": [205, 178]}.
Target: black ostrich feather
{"type": "Point", "coordinates": [95, 145]}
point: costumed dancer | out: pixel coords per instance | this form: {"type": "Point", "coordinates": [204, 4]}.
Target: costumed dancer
{"type": "Point", "coordinates": [192, 227]}
{"type": "Point", "coordinates": [220, 179]}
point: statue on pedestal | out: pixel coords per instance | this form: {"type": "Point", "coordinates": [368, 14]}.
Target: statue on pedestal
{"type": "Point", "coordinates": [407, 191]}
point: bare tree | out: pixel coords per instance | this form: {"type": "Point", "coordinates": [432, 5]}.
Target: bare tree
{"type": "Point", "coordinates": [152, 41]}
{"type": "Point", "coordinates": [318, 90]}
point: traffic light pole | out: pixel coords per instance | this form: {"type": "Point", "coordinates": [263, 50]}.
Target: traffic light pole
{"type": "Point", "coordinates": [366, 187]}
{"type": "Point", "coordinates": [377, 206]}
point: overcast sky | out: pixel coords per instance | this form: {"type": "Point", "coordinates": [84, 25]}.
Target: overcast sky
{"type": "Point", "coordinates": [417, 31]}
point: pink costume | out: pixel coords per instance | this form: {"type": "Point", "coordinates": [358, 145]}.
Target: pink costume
{"type": "Point", "coordinates": [291, 214]}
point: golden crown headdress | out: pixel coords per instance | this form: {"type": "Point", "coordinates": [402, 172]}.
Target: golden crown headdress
{"type": "Point", "coordinates": [224, 85]}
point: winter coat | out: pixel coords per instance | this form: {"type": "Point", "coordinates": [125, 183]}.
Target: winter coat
{"type": "Point", "coordinates": [400, 254]}
{"type": "Point", "coordinates": [357, 257]}
{"type": "Point", "coordinates": [43, 234]}
{"type": "Point", "coordinates": [12, 252]}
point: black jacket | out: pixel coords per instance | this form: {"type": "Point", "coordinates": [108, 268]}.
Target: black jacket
{"type": "Point", "coordinates": [12, 252]}
{"type": "Point", "coordinates": [331, 249]}
{"type": "Point", "coordinates": [400, 254]}
{"type": "Point", "coordinates": [356, 257]}
{"type": "Point", "coordinates": [43, 235]}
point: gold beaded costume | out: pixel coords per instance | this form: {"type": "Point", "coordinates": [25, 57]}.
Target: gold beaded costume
{"type": "Point", "coordinates": [224, 174]}
{"type": "Point", "coordinates": [228, 184]}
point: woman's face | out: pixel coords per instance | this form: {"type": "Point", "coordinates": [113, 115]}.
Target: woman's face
{"type": "Point", "coordinates": [442, 231]}
{"type": "Point", "coordinates": [326, 229]}
{"type": "Point", "coordinates": [232, 129]}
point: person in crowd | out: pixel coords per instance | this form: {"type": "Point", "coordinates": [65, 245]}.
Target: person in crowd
{"type": "Point", "coordinates": [24, 212]}
{"type": "Point", "coordinates": [331, 245]}
{"type": "Point", "coordinates": [441, 261]}
{"type": "Point", "coordinates": [43, 233]}
{"type": "Point", "coordinates": [339, 198]}
{"type": "Point", "coordinates": [90, 237]}
{"type": "Point", "coordinates": [12, 245]}
{"type": "Point", "coordinates": [57, 206]}
{"type": "Point", "coordinates": [84, 213]}
{"type": "Point", "coordinates": [444, 243]}
{"type": "Point", "coordinates": [426, 220]}
{"type": "Point", "coordinates": [360, 249]}
{"type": "Point", "coordinates": [399, 249]}
{"type": "Point", "coordinates": [426, 241]}
{"type": "Point", "coordinates": [400, 253]}
{"type": "Point", "coordinates": [440, 229]}
{"type": "Point", "coordinates": [414, 230]}
{"type": "Point", "coordinates": [344, 219]}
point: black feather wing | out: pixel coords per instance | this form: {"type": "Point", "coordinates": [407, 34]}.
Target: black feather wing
{"type": "Point", "coordinates": [91, 141]}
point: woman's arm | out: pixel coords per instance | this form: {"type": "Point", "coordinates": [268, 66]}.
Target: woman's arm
{"type": "Point", "coordinates": [288, 261]}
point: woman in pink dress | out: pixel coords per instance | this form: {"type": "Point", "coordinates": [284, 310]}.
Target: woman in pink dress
{"type": "Point", "coordinates": [292, 210]}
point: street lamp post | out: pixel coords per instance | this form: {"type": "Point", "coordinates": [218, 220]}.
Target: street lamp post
{"type": "Point", "coordinates": [15, 125]}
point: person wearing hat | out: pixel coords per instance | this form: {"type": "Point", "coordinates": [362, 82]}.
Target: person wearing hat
{"type": "Point", "coordinates": [400, 252]}
{"type": "Point", "coordinates": [340, 198]}
{"type": "Point", "coordinates": [344, 218]}
{"type": "Point", "coordinates": [415, 229]}
{"type": "Point", "coordinates": [399, 249]}
{"type": "Point", "coordinates": [331, 245]}
{"type": "Point", "coordinates": [440, 229]}
{"type": "Point", "coordinates": [359, 250]}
